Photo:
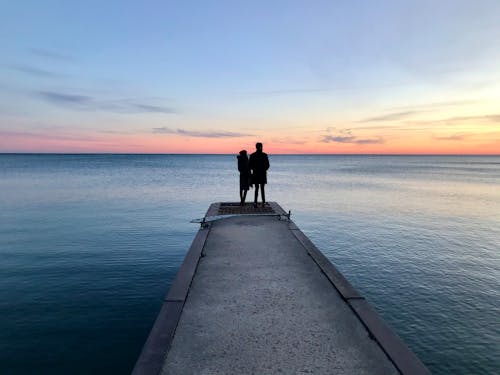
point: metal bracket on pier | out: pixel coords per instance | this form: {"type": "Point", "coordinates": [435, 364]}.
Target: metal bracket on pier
{"type": "Point", "coordinates": [206, 220]}
{"type": "Point", "coordinates": [285, 217]}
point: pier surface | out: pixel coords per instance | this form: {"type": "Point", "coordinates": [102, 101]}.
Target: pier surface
{"type": "Point", "coordinates": [255, 296]}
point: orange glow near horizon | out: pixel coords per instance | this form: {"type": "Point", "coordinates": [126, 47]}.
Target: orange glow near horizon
{"type": "Point", "coordinates": [473, 130]}
{"type": "Point", "coordinates": [414, 143]}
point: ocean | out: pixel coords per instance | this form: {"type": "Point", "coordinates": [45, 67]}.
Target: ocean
{"type": "Point", "coordinates": [89, 245]}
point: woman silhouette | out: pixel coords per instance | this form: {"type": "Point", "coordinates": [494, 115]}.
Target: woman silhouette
{"type": "Point", "coordinates": [244, 175]}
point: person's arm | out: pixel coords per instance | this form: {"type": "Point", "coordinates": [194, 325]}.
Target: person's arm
{"type": "Point", "coordinates": [266, 162]}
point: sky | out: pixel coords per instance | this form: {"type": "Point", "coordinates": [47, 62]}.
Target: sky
{"type": "Point", "coordinates": [334, 77]}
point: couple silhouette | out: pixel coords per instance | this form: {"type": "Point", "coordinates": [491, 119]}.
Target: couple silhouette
{"type": "Point", "coordinates": [253, 172]}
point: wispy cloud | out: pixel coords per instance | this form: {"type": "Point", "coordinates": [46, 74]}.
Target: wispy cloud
{"type": "Point", "coordinates": [492, 117]}
{"type": "Point", "coordinates": [289, 91]}
{"type": "Point", "coordinates": [346, 136]}
{"type": "Point", "coordinates": [152, 108]}
{"type": "Point", "coordinates": [200, 134]}
{"type": "Point", "coordinates": [319, 90]}
{"type": "Point", "coordinates": [437, 104]}
{"type": "Point", "coordinates": [454, 137]}
{"type": "Point", "coordinates": [419, 125]}
{"type": "Point", "coordinates": [34, 71]}
{"type": "Point", "coordinates": [88, 103]}
{"type": "Point", "coordinates": [391, 116]}
{"type": "Point", "coordinates": [352, 139]}
{"type": "Point", "coordinates": [50, 54]}
{"type": "Point", "coordinates": [448, 122]}
{"type": "Point", "coordinates": [65, 99]}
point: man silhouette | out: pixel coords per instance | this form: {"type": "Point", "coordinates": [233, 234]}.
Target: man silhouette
{"type": "Point", "coordinates": [259, 164]}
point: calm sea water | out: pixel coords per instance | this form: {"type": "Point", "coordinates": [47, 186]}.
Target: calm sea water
{"type": "Point", "coordinates": [89, 245]}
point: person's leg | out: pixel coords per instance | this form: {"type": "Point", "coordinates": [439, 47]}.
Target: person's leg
{"type": "Point", "coordinates": [244, 197]}
{"type": "Point", "coordinates": [256, 196]}
{"type": "Point", "coordinates": [263, 193]}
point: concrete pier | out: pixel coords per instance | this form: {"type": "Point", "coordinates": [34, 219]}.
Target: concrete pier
{"type": "Point", "coordinates": [255, 296]}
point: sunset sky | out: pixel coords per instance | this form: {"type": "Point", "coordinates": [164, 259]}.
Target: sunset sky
{"type": "Point", "coordinates": [335, 76]}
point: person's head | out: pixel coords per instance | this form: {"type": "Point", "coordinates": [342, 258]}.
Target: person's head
{"type": "Point", "coordinates": [258, 146]}
{"type": "Point", "coordinates": [243, 153]}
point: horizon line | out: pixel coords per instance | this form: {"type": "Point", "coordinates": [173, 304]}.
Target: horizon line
{"type": "Point", "coordinates": [281, 154]}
